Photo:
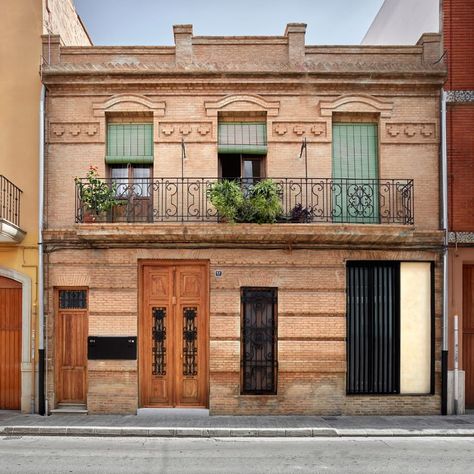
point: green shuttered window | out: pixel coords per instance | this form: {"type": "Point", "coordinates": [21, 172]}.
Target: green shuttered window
{"type": "Point", "coordinates": [355, 173]}
{"type": "Point", "coordinates": [129, 143]}
{"type": "Point", "coordinates": [243, 137]}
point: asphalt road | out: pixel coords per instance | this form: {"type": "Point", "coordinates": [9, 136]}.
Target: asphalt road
{"type": "Point", "coordinates": [239, 455]}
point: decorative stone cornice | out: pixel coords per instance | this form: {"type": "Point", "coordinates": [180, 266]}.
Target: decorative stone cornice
{"type": "Point", "coordinates": [329, 67]}
{"type": "Point", "coordinates": [251, 103]}
{"type": "Point", "coordinates": [127, 103]}
{"type": "Point", "coordinates": [356, 103]}
{"type": "Point", "coordinates": [333, 236]}
{"type": "Point", "coordinates": [460, 97]}
{"type": "Point", "coordinates": [461, 238]}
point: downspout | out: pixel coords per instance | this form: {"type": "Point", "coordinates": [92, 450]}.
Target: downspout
{"type": "Point", "coordinates": [444, 199]}
{"type": "Point", "coordinates": [41, 355]}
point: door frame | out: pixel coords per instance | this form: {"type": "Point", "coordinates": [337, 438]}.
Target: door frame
{"type": "Point", "coordinates": [27, 384]}
{"type": "Point", "coordinates": [57, 289]}
{"type": "Point", "coordinates": [167, 263]}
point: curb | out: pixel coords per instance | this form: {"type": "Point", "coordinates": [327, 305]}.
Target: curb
{"type": "Point", "coordinates": [163, 432]}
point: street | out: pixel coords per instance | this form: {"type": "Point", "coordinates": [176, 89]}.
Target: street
{"type": "Point", "coordinates": [235, 455]}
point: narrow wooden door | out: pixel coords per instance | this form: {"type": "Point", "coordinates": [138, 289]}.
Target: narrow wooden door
{"type": "Point", "coordinates": [468, 333]}
{"type": "Point", "coordinates": [173, 336]}
{"type": "Point", "coordinates": [71, 346]}
{"type": "Point", "coordinates": [10, 344]}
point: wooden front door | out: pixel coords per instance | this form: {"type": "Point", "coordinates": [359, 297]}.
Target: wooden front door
{"type": "Point", "coordinates": [173, 335]}
{"type": "Point", "coordinates": [71, 346]}
{"type": "Point", "coordinates": [468, 333]}
{"type": "Point", "coordinates": [10, 344]}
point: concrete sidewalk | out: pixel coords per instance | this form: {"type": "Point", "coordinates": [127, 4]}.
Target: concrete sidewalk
{"type": "Point", "coordinates": [197, 423]}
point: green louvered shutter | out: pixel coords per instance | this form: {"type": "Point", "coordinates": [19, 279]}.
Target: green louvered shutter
{"type": "Point", "coordinates": [355, 194]}
{"type": "Point", "coordinates": [242, 137]}
{"type": "Point", "coordinates": [129, 143]}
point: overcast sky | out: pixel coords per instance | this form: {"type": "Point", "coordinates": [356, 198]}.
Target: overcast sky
{"type": "Point", "coordinates": [149, 22]}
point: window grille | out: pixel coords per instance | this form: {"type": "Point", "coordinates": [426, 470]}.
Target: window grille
{"type": "Point", "coordinates": [72, 299]}
{"type": "Point", "coordinates": [259, 341]}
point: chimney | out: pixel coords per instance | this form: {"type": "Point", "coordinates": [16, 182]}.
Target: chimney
{"type": "Point", "coordinates": [296, 45]}
{"type": "Point", "coordinates": [183, 35]}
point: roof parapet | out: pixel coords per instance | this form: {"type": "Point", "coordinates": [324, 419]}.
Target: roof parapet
{"type": "Point", "coordinates": [432, 47]}
{"type": "Point", "coordinates": [51, 51]}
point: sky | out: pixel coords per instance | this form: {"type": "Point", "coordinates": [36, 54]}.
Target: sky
{"type": "Point", "coordinates": [150, 22]}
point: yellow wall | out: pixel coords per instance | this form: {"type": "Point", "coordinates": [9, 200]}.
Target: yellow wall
{"type": "Point", "coordinates": [21, 27]}
{"type": "Point", "coordinates": [415, 327]}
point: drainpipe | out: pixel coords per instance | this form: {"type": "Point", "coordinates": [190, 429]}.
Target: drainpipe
{"type": "Point", "coordinates": [444, 191]}
{"type": "Point", "coordinates": [41, 355]}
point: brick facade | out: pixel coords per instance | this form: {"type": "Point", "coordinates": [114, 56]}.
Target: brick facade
{"type": "Point", "coordinates": [301, 91]}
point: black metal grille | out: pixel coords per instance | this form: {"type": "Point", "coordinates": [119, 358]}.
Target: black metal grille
{"type": "Point", "coordinates": [373, 327]}
{"type": "Point", "coordinates": [73, 299]}
{"type": "Point", "coordinates": [9, 201]}
{"type": "Point", "coordinates": [319, 200]}
{"type": "Point", "coordinates": [159, 338]}
{"type": "Point", "coordinates": [259, 341]}
{"type": "Point", "coordinates": [190, 341]}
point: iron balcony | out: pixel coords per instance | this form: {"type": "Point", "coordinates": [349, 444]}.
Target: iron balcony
{"type": "Point", "coordinates": [307, 200]}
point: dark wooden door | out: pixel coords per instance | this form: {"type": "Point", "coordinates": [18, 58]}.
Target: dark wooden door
{"type": "Point", "coordinates": [71, 347]}
{"type": "Point", "coordinates": [10, 344]}
{"type": "Point", "coordinates": [468, 333]}
{"type": "Point", "coordinates": [173, 335]}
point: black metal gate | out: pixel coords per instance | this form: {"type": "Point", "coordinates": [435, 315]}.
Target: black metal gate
{"type": "Point", "coordinates": [373, 327]}
{"type": "Point", "coordinates": [259, 341]}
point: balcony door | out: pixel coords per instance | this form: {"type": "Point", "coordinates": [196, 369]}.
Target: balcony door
{"type": "Point", "coordinates": [355, 190]}
{"type": "Point", "coordinates": [173, 335]}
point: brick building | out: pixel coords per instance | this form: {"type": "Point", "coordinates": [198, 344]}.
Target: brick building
{"type": "Point", "coordinates": [331, 307]}
{"type": "Point", "coordinates": [455, 20]}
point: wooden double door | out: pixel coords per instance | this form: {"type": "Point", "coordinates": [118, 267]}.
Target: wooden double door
{"type": "Point", "coordinates": [173, 334]}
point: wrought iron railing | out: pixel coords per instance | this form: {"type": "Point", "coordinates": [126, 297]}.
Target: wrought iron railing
{"type": "Point", "coordinates": [10, 196]}
{"type": "Point", "coordinates": [317, 200]}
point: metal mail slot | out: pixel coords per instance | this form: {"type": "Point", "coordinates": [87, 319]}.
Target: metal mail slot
{"type": "Point", "coordinates": [111, 347]}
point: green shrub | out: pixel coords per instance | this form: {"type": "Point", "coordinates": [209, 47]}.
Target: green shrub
{"type": "Point", "coordinates": [259, 203]}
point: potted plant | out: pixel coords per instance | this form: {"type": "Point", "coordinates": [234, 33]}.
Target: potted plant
{"type": "Point", "coordinates": [301, 214]}
{"type": "Point", "coordinates": [226, 196]}
{"type": "Point", "coordinates": [259, 203]}
{"type": "Point", "coordinates": [97, 196]}
{"type": "Point", "coordinates": [264, 202]}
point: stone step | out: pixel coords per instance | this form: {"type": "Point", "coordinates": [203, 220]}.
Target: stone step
{"type": "Point", "coordinates": [70, 409]}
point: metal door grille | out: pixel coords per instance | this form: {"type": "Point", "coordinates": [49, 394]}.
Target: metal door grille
{"type": "Point", "coordinates": [259, 341]}
{"type": "Point", "coordinates": [72, 299]}
{"type": "Point", "coordinates": [373, 327]}
{"type": "Point", "coordinates": [159, 341]}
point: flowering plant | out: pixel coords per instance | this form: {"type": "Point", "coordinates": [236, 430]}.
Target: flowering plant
{"type": "Point", "coordinates": [96, 195]}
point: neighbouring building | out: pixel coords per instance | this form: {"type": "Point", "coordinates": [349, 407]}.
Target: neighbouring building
{"type": "Point", "coordinates": [455, 20]}
{"type": "Point", "coordinates": [156, 300]}
{"type": "Point", "coordinates": [22, 24]}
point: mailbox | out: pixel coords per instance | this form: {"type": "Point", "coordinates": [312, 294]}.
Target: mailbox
{"type": "Point", "coordinates": [112, 347]}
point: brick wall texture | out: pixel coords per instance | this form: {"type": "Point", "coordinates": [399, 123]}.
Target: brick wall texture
{"type": "Point", "coordinates": [183, 95]}
{"type": "Point", "coordinates": [458, 21]}
{"type": "Point", "coordinates": [458, 32]}
{"type": "Point", "coordinates": [311, 327]}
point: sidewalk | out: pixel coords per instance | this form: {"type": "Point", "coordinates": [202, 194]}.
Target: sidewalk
{"type": "Point", "coordinates": [197, 423]}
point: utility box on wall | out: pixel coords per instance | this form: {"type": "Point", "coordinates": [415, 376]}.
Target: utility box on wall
{"type": "Point", "coordinates": [112, 347]}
